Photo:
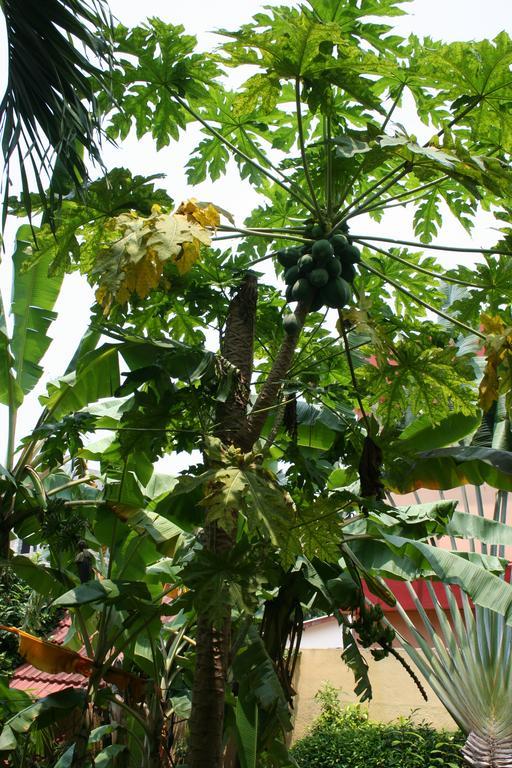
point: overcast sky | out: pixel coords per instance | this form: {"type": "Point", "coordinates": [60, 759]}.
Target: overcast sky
{"type": "Point", "coordinates": [445, 19]}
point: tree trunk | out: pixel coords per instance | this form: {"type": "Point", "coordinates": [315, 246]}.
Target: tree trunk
{"type": "Point", "coordinates": [268, 394]}
{"type": "Point", "coordinates": [213, 642]}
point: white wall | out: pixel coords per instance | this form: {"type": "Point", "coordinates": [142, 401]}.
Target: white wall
{"type": "Point", "coordinates": [321, 633]}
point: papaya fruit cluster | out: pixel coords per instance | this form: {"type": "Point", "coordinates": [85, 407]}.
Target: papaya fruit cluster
{"type": "Point", "coordinates": [320, 273]}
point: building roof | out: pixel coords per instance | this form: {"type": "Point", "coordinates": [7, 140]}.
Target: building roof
{"type": "Point", "coordinates": [37, 683]}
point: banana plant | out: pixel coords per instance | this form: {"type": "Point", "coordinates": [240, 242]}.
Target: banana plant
{"type": "Point", "coordinates": [26, 479]}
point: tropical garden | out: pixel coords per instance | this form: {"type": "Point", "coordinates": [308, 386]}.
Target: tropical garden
{"type": "Point", "coordinates": [308, 367]}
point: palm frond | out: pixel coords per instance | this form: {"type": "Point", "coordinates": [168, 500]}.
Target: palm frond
{"type": "Point", "coordinates": [58, 54]}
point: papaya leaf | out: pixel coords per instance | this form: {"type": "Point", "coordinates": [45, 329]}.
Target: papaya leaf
{"type": "Point", "coordinates": [476, 74]}
{"type": "Point", "coordinates": [427, 217]}
{"type": "Point", "coordinates": [252, 491]}
{"type": "Point", "coordinates": [491, 291]}
{"type": "Point", "coordinates": [155, 60]}
{"type": "Point", "coordinates": [423, 378]}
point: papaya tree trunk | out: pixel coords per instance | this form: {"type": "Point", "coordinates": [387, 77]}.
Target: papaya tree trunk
{"type": "Point", "coordinates": [206, 725]}
{"type": "Point", "coordinates": [267, 397]}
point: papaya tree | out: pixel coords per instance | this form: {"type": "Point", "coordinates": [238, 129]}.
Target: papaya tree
{"type": "Point", "coordinates": [304, 418]}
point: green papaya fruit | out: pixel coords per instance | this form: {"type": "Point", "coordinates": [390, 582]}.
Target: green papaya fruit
{"type": "Point", "coordinates": [338, 242]}
{"type": "Point", "coordinates": [302, 290]}
{"type": "Point", "coordinates": [336, 293]}
{"type": "Point", "coordinates": [288, 257]}
{"type": "Point", "coordinates": [308, 228]}
{"type": "Point", "coordinates": [317, 302]}
{"type": "Point", "coordinates": [291, 324]}
{"type": "Point", "coordinates": [351, 253]}
{"type": "Point", "coordinates": [305, 264]}
{"type": "Point", "coordinates": [318, 278]}
{"type": "Point", "coordinates": [291, 274]}
{"type": "Point", "coordinates": [321, 250]}
{"type": "Point", "coordinates": [317, 231]}
{"type": "Point", "coordinates": [348, 272]}
{"type": "Point", "coordinates": [288, 294]}
{"type": "Point", "coordinates": [333, 267]}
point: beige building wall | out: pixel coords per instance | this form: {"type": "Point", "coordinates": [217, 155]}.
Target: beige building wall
{"type": "Point", "coordinates": [394, 692]}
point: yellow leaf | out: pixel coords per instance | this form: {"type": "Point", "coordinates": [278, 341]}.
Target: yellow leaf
{"type": "Point", "coordinates": [207, 215]}
{"type": "Point", "coordinates": [140, 278]}
{"type": "Point", "coordinates": [49, 657]}
{"type": "Point", "coordinates": [187, 257]}
{"type": "Point", "coordinates": [52, 658]}
{"type": "Point", "coordinates": [492, 324]}
{"type": "Point", "coordinates": [488, 390]}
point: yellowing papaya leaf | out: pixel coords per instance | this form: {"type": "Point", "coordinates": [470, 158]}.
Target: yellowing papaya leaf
{"type": "Point", "coordinates": [187, 257]}
{"type": "Point", "coordinates": [134, 263]}
{"type": "Point", "coordinates": [491, 324]}
{"type": "Point", "coordinates": [488, 389]}
{"type": "Point", "coordinates": [205, 213]}
{"type": "Point", "coordinates": [497, 378]}
{"type": "Point", "coordinates": [141, 278]}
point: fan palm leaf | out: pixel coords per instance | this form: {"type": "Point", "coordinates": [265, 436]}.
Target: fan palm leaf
{"type": "Point", "coordinates": [465, 651]}
{"type": "Point", "coordinates": [56, 56]}
{"type": "Point", "coordinates": [466, 658]}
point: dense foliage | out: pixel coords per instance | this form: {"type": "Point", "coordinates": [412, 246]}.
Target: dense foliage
{"type": "Point", "coordinates": [347, 738]}
{"type": "Point", "coordinates": [21, 607]}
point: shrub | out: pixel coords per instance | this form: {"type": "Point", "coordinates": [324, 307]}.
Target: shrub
{"type": "Point", "coordinates": [346, 738]}
{"type": "Point", "coordinates": [21, 607]}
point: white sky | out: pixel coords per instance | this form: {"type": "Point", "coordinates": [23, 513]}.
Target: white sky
{"type": "Point", "coordinates": [444, 19]}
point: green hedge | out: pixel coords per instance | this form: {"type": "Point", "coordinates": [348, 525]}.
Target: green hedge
{"type": "Point", "coordinates": [346, 738]}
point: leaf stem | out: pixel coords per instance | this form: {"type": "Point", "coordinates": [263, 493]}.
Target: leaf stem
{"type": "Point", "coordinates": [409, 192]}
{"type": "Point", "coordinates": [260, 233]}
{"type": "Point", "coordinates": [71, 484]}
{"type": "Point", "coordinates": [406, 167]}
{"type": "Point", "coordinates": [328, 167]}
{"type": "Point", "coordinates": [393, 106]}
{"type": "Point", "coordinates": [302, 147]}
{"type": "Point", "coordinates": [415, 244]}
{"type": "Point", "coordinates": [416, 267]}
{"type": "Point", "coordinates": [353, 377]}
{"type": "Point", "coordinates": [402, 169]}
{"type": "Point", "coordinates": [303, 201]}
{"type": "Point", "coordinates": [367, 192]}
{"type": "Point", "coordinates": [422, 303]}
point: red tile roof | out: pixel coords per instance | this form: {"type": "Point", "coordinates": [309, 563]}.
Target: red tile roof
{"type": "Point", "coordinates": [38, 684]}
